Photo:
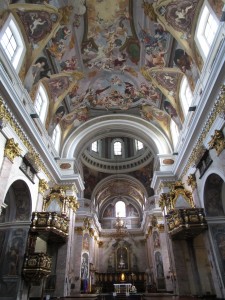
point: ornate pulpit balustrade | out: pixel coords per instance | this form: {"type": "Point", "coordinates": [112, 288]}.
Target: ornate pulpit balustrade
{"type": "Point", "coordinates": [186, 223]}
{"type": "Point", "coordinates": [50, 225]}
{"type": "Point", "coordinates": [36, 266]}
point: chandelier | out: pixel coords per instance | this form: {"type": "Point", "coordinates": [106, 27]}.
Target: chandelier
{"type": "Point", "coordinates": [121, 229]}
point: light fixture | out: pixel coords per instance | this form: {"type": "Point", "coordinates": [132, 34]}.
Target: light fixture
{"type": "Point", "coordinates": [34, 116]}
{"type": "Point", "coordinates": [122, 277]}
{"type": "Point", "coordinates": [192, 108]}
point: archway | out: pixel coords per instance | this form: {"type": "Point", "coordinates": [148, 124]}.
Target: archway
{"type": "Point", "coordinates": [15, 223]}
{"type": "Point", "coordinates": [214, 207]}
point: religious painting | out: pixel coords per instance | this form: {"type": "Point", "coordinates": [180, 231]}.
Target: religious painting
{"type": "Point", "coordinates": [218, 233]}
{"type": "Point", "coordinates": [84, 266]}
{"type": "Point", "coordinates": [60, 112]}
{"type": "Point", "coordinates": [180, 14]}
{"type": "Point", "coordinates": [108, 212]}
{"type": "Point", "coordinates": [159, 265]}
{"type": "Point", "coordinates": [37, 24]}
{"type": "Point", "coordinates": [122, 259]}
{"type": "Point", "coordinates": [145, 176]}
{"type": "Point", "coordinates": [156, 42]}
{"type": "Point", "coordinates": [156, 240]}
{"type": "Point", "coordinates": [185, 63]}
{"type": "Point", "coordinates": [86, 242]}
{"type": "Point", "coordinates": [132, 211]}
{"type": "Point", "coordinates": [213, 196]}
{"type": "Point", "coordinates": [40, 69]}
{"type": "Point", "coordinates": [173, 113]}
{"type": "Point", "coordinates": [59, 42]}
{"type": "Point", "coordinates": [110, 38]}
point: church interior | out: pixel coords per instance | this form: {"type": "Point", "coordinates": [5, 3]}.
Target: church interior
{"type": "Point", "coordinates": [112, 149]}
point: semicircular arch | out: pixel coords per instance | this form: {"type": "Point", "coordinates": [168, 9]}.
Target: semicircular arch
{"type": "Point", "coordinates": [120, 185]}
{"type": "Point", "coordinates": [147, 132]}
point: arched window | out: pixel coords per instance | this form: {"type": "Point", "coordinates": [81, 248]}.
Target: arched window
{"type": "Point", "coordinates": [12, 42]}
{"type": "Point", "coordinates": [120, 209]}
{"type": "Point", "coordinates": [117, 148]}
{"type": "Point", "coordinates": [139, 145]}
{"type": "Point", "coordinates": [56, 137]}
{"type": "Point", "coordinates": [186, 95]}
{"type": "Point", "coordinates": [206, 29]}
{"type": "Point", "coordinates": [94, 146]}
{"type": "Point", "coordinates": [41, 103]}
{"type": "Point", "coordinates": [174, 132]}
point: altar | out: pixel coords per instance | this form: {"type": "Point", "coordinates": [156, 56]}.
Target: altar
{"type": "Point", "coordinates": [122, 288]}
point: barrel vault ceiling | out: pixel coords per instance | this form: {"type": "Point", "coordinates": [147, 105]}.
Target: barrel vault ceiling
{"type": "Point", "coordinates": [96, 58]}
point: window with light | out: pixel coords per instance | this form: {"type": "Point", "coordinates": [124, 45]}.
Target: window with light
{"type": "Point", "coordinates": [117, 148]}
{"type": "Point", "coordinates": [94, 146]}
{"type": "Point", "coordinates": [12, 42]}
{"type": "Point", "coordinates": [139, 145]}
{"type": "Point", "coordinates": [56, 137]}
{"type": "Point", "coordinates": [186, 95]}
{"type": "Point", "coordinates": [206, 30]}
{"type": "Point", "coordinates": [41, 103]}
{"type": "Point", "coordinates": [174, 132]}
{"type": "Point", "coordinates": [120, 209]}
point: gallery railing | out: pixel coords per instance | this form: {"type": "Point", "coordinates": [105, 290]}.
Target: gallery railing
{"type": "Point", "coordinates": [186, 223]}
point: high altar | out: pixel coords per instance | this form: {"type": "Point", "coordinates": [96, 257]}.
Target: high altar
{"type": "Point", "coordinates": [122, 287]}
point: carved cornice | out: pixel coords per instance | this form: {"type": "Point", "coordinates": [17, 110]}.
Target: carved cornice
{"type": "Point", "coordinates": [43, 186]}
{"type": "Point", "coordinates": [191, 181]}
{"type": "Point", "coordinates": [33, 158]}
{"type": "Point", "coordinates": [218, 109]}
{"type": "Point", "coordinates": [79, 230]}
{"type": "Point", "coordinates": [7, 117]}
{"type": "Point", "coordinates": [73, 203]}
{"type": "Point", "coordinates": [163, 200]}
{"type": "Point", "coordinates": [161, 227]}
{"type": "Point", "coordinates": [12, 149]}
{"type": "Point", "coordinates": [91, 232]}
{"type": "Point", "coordinates": [87, 224]}
{"type": "Point", "coordinates": [164, 184]}
{"type": "Point", "coordinates": [217, 142]}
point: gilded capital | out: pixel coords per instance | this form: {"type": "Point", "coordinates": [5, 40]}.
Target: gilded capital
{"type": "Point", "coordinates": [91, 232]}
{"type": "Point", "coordinates": [87, 223]}
{"type": "Point", "coordinates": [12, 149]}
{"type": "Point", "coordinates": [43, 186]}
{"type": "Point", "coordinates": [73, 203]}
{"type": "Point", "coordinates": [100, 244]}
{"type": "Point", "coordinates": [217, 142]}
{"type": "Point", "coordinates": [79, 230]}
{"type": "Point", "coordinates": [163, 200]}
{"type": "Point", "coordinates": [161, 227]}
{"type": "Point", "coordinates": [34, 159]}
{"type": "Point", "coordinates": [191, 181]}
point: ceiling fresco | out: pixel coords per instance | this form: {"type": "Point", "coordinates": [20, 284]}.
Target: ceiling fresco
{"type": "Point", "coordinates": [98, 57]}
{"type": "Point", "coordinates": [119, 186]}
